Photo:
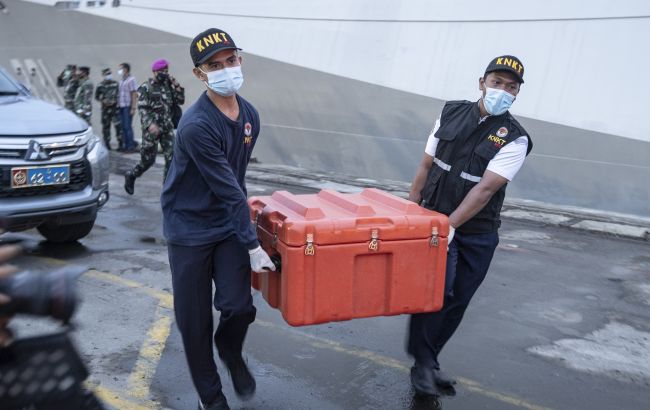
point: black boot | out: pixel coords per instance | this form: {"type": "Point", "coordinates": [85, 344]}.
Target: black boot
{"type": "Point", "coordinates": [220, 403]}
{"type": "Point", "coordinates": [444, 382]}
{"type": "Point", "coordinates": [442, 379]}
{"type": "Point", "coordinates": [242, 379]}
{"type": "Point", "coordinates": [129, 182]}
{"type": "Point", "coordinates": [422, 380]}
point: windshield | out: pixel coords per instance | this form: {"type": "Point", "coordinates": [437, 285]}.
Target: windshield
{"type": "Point", "coordinates": [7, 86]}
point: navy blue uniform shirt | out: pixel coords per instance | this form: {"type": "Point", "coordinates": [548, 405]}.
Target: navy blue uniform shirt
{"type": "Point", "coordinates": [204, 197]}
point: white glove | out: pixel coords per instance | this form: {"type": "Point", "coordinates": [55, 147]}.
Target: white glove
{"type": "Point", "coordinates": [260, 261]}
{"type": "Point", "coordinates": [450, 237]}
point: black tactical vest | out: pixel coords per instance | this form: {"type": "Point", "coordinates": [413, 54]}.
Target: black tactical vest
{"type": "Point", "coordinates": [462, 156]}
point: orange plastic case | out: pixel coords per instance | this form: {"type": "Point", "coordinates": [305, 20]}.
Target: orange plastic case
{"type": "Point", "coordinates": [346, 256]}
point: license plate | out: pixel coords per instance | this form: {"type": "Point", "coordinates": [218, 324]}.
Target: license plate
{"type": "Point", "coordinates": [24, 177]}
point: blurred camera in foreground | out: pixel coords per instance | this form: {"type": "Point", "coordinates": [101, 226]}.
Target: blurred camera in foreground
{"type": "Point", "coordinates": [50, 294]}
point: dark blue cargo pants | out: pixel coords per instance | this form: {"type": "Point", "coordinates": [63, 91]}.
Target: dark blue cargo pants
{"type": "Point", "coordinates": [468, 261]}
{"type": "Point", "coordinates": [194, 269]}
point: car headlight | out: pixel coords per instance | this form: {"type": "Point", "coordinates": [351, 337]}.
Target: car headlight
{"type": "Point", "coordinates": [92, 142]}
{"type": "Point", "coordinates": [88, 138]}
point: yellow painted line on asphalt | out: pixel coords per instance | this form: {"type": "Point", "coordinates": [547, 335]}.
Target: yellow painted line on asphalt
{"type": "Point", "coordinates": [115, 400]}
{"type": "Point", "coordinates": [53, 261]}
{"type": "Point", "coordinates": [471, 385]}
{"type": "Point", "coordinates": [475, 387]}
{"type": "Point", "coordinates": [165, 300]}
{"type": "Point", "coordinates": [139, 381]}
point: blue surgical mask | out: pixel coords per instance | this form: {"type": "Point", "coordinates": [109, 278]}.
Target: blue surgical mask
{"type": "Point", "coordinates": [225, 82]}
{"type": "Point", "coordinates": [497, 101]}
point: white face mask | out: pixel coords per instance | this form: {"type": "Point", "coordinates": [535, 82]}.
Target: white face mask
{"type": "Point", "coordinates": [225, 82]}
{"type": "Point", "coordinates": [108, 77]}
{"type": "Point", "coordinates": [497, 101]}
{"type": "Point", "coordinates": [120, 72]}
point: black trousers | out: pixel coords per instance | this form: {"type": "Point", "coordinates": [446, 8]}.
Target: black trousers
{"type": "Point", "coordinates": [194, 269]}
{"type": "Point", "coordinates": [468, 261]}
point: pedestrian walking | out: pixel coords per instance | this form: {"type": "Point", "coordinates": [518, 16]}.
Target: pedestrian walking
{"type": "Point", "coordinates": [156, 96]}
{"type": "Point", "coordinates": [474, 150]}
{"type": "Point", "coordinates": [206, 221]}
{"type": "Point", "coordinates": [69, 81]}
{"type": "Point", "coordinates": [126, 105]}
{"type": "Point", "coordinates": [83, 99]}
{"type": "Point", "coordinates": [107, 93]}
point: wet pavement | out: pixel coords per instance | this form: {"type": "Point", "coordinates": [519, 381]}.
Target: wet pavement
{"type": "Point", "coordinates": [561, 322]}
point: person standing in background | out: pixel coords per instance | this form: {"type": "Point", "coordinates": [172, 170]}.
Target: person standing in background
{"type": "Point", "coordinates": [83, 99]}
{"type": "Point", "coordinates": [126, 105]}
{"type": "Point", "coordinates": [106, 93]}
{"type": "Point", "coordinates": [68, 80]}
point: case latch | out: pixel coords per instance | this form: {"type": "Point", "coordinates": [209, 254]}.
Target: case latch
{"type": "Point", "coordinates": [434, 237]}
{"type": "Point", "coordinates": [309, 249]}
{"type": "Point", "coordinates": [374, 244]}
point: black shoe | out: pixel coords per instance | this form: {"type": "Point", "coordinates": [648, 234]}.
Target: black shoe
{"type": "Point", "coordinates": [422, 380]}
{"type": "Point", "coordinates": [441, 379]}
{"type": "Point", "coordinates": [242, 379]}
{"type": "Point", "coordinates": [129, 182]}
{"type": "Point", "coordinates": [220, 403]}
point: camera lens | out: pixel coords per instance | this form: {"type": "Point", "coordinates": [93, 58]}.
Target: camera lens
{"type": "Point", "coordinates": [43, 294]}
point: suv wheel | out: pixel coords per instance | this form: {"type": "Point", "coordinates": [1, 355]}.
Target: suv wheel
{"type": "Point", "coordinates": [66, 233]}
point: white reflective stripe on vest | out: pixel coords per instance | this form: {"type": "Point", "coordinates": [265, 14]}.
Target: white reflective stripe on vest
{"type": "Point", "coordinates": [441, 164]}
{"type": "Point", "coordinates": [469, 177]}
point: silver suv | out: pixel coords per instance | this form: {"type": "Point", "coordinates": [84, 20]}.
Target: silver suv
{"type": "Point", "coordinates": [53, 168]}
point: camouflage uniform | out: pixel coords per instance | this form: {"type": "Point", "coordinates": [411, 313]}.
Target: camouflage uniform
{"type": "Point", "coordinates": [155, 100]}
{"type": "Point", "coordinates": [83, 100]}
{"type": "Point", "coordinates": [106, 93]}
{"type": "Point", "coordinates": [70, 83]}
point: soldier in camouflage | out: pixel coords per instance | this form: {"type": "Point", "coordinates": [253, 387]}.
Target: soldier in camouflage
{"type": "Point", "coordinates": [106, 93]}
{"type": "Point", "coordinates": [83, 99]}
{"type": "Point", "coordinates": [156, 97]}
{"type": "Point", "coordinates": [68, 80]}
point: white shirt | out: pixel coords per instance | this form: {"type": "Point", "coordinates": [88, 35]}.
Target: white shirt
{"type": "Point", "coordinates": [505, 163]}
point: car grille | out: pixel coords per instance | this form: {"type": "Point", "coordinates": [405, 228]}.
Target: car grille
{"type": "Point", "coordinates": [80, 177]}
{"type": "Point", "coordinates": [51, 152]}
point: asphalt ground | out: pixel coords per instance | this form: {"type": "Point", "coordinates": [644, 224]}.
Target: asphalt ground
{"type": "Point", "coordinates": [561, 322]}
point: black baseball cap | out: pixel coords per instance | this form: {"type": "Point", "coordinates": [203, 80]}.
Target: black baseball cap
{"type": "Point", "coordinates": [106, 71]}
{"type": "Point", "coordinates": [209, 42]}
{"type": "Point", "coordinates": [507, 63]}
